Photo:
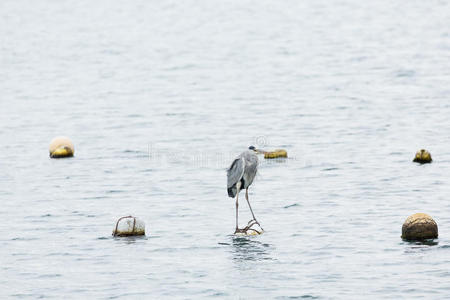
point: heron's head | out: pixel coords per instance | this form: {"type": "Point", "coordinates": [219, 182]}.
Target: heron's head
{"type": "Point", "coordinates": [257, 151]}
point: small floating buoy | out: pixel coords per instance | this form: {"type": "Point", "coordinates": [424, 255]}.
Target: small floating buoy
{"type": "Point", "coordinates": [275, 154]}
{"type": "Point", "coordinates": [270, 154]}
{"type": "Point", "coordinates": [61, 147]}
{"type": "Point", "coordinates": [129, 226]}
{"type": "Point", "coordinates": [423, 157]}
{"type": "Point", "coordinates": [253, 228]}
{"type": "Point", "coordinates": [419, 226]}
{"type": "Point", "coordinates": [249, 233]}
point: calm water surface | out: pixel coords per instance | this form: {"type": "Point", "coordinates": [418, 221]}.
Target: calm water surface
{"type": "Point", "coordinates": [159, 96]}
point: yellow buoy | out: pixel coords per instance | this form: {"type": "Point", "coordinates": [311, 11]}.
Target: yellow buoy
{"type": "Point", "coordinates": [423, 157]}
{"type": "Point", "coordinates": [275, 154]}
{"type": "Point", "coordinates": [61, 147]}
{"type": "Point", "coordinates": [419, 226]}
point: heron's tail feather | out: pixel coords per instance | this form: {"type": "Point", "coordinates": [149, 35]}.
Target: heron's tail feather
{"type": "Point", "coordinates": [232, 191]}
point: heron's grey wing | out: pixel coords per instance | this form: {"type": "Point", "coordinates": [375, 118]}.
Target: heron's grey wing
{"type": "Point", "coordinates": [251, 167]}
{"type": "Point", "coordinates": [235, 172]}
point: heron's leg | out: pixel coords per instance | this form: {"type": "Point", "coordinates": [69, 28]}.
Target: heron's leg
{"type": "Point", "coordinates": [237, 207]}
{"type": "Point", "coordinates": [238, 188]}
{"type": "Point", "coordinates": [246, 197]}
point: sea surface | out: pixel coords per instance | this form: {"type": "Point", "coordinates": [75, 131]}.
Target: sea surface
{"type": "Point", "coordinates": [160, 96]}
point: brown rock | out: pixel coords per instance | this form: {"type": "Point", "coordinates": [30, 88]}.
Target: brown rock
{"type": "Point", "coordinates": [419, 226]}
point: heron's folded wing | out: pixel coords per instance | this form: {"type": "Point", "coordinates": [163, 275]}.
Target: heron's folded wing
{"type": "Point", "coordinates": [235, 172]}
{"type": "Point", "coordinates": [250, 171]}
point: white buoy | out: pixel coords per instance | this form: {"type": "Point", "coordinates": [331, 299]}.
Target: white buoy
{"type": "Point", "coordinates": [251, 229]}
{"type": "Point", "coordinates": [129, 226]}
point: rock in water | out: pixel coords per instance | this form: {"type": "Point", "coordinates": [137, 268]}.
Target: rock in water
{"type": "Point", "coordinates": [419, 226]}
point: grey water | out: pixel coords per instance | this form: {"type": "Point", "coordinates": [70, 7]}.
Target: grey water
{"type": "Point", "coordinates": [159, 97]}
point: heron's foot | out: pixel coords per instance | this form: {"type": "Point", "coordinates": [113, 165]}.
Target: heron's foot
{"type": "Point", "coordinates": [253, 222]}
{"type": "Point", "coordinates": [244, 230]}
{"type": "Point", "coordinates": [248, 228]}
{"type": "Point", "coordinates": [238, 230]}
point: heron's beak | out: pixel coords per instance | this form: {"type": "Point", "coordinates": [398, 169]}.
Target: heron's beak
{"type": "Point", "coordinates": [258, 151]}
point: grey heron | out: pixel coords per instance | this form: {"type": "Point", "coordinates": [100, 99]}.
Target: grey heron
{"type": "Point", "coordinates": [240, 176]}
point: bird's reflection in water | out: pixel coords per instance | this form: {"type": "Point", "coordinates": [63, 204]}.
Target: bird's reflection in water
{"type": "Point", "coordinates": [249, 249]}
